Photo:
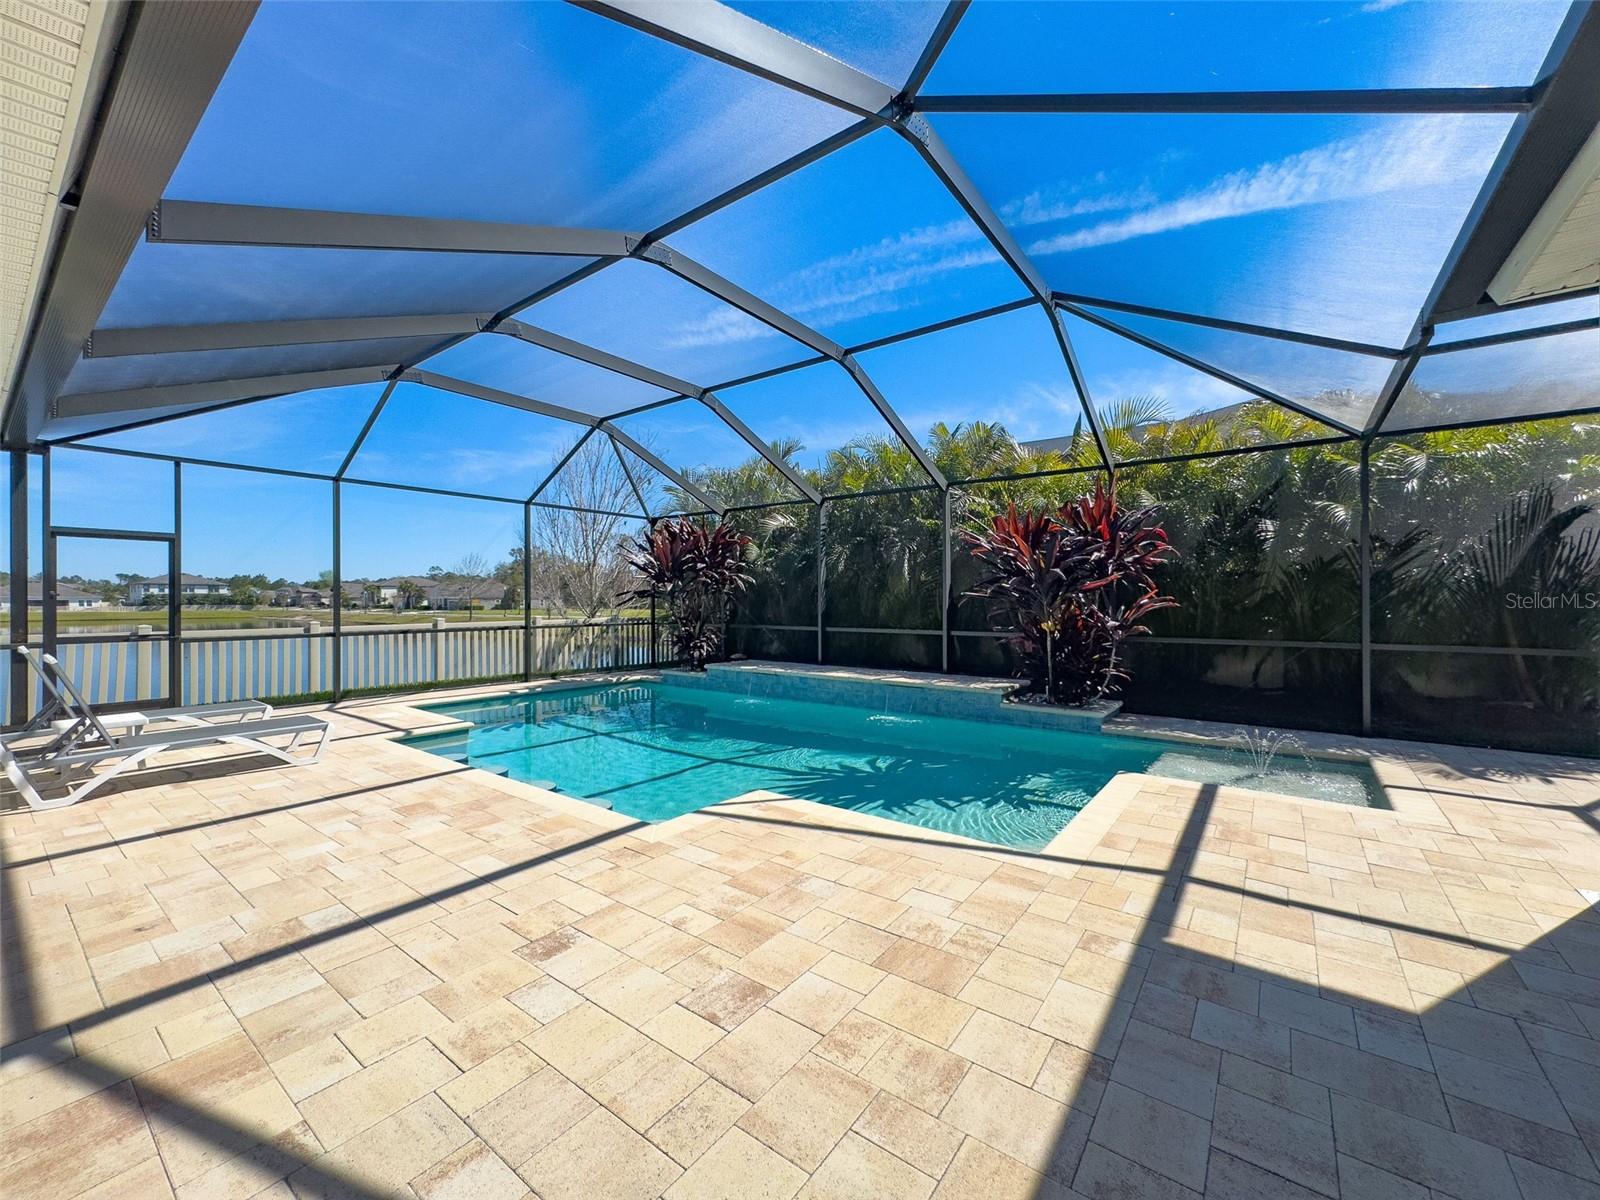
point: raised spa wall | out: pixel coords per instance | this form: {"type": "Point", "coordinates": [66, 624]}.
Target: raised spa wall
{"type": "Point", "coordinates": [893, 691]}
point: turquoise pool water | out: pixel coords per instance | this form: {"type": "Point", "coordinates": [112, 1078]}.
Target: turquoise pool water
{"type": "Point", "coordinates": [655, 751]}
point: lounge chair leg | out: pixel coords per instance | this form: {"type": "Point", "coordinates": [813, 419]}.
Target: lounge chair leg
{"type": "Point", "coordinates": [29, 791]}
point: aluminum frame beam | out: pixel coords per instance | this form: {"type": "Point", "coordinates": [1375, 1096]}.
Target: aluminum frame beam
{"type": "Point", "coordinates": [261, 387]}
{"type": "Point", "coordinates": [730, 37]}
{"type": "Point", "coordinates": [478, 391]}
{"type": "Point", "coordinates": [595, 357]}
{"type": "Point", "coordinates": [680, 387]}
{"type": "Point", "coordinates": [241, 335]}
{"type": "Point", "coordinates": [177, 339]}
{"type": "Point", "coordinates": [1395, 385]}
{"type": "Point", "coordinates": [1536, 153]}
{"type": "Point", "coordinates": [1266, 331]}
{"type": "Point", "coordinates": [751, 305]}
{"type": "Point", "coordinates": [627, 473]}
{"type": "Point", "coordinates": [169, 62]}
{"type": "Point", "coordinates": [1349, 100]}
{"type": "Point", "coordinates": [18, 568]}
{"type": "Point", "coordinates": [160, 418]}
{"type": "Point", "coordinates": [193, 222]}
{"type": "Point", "coordinates": [943, 31]}
{"type": "Point", "coordinates": [366, 429]}
{"type": "Point", "coordinates": [644, 452]}
{"type": "Point", "coordinates": [1227, 377]}
{"type": "Point", "coordinates": [795, 162]}
{"type": "Point", "coordinates": [931, 147]}
{"type": "Point", "coordinates": [887, 412]}
{"type": "Point", "coordinates": [671, 383]}
{"type": "Point", "coordinates": [1488, 308]}
{"type": "Point", "coordinates": [1512, 335]}
{"type": "Point", "coordinates": [926, 141]}
{"type": "Point", "coordinates": [239, 224]}
{"type": "Point", "coordinates": [730, 293]}
{"type": "Point", "coordinates": [734, 194]}
{"type": "Point", "coordinates": [777, 462]}
{"type": "Point", "coordinates": [560, 466]}
{"type": "Point", "coordinates": [1079, 382]}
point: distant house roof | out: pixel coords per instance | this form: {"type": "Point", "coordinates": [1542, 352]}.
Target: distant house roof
{"type": "Point", "coordinates": [64, 591]}
{"type": "Point", "coordinates": [184, 581]}
{"type": "Point", "coordinates": [397, 580]}
{"type": "Point", "coordinates": [464, 591]}
{"type": "Point", "coordinates": [1223, 417]}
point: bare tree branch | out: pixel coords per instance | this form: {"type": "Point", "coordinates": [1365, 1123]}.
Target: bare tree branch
{"type": "Point", "coordinates": [577, 560]}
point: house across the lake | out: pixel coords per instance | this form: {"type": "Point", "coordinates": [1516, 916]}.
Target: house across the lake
{"type": "Point", "coordinates": [421, 591]}
{"type": "Point", "coordinates": [485, 594]}
{"type": "Point", "coordinates": [399, 591]}
{"type": "Point", "coordinates": [67, 596]}
{"type": "Point", "coordinates": [302, 597]}
{"type": "Point", "coordinates": [148, 591]}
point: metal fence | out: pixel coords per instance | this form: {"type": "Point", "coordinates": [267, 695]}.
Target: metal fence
{"type": "Point", "coordinates": [211, 667]}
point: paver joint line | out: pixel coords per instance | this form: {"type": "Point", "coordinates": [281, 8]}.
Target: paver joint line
{"type": "Point", "coordinates": [367, 975]}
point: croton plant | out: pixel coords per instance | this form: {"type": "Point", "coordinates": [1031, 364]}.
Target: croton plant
{"type": "Point", "coordinates": [693, 570]}
{"type": "Point", "coordinates": [1071, 586]}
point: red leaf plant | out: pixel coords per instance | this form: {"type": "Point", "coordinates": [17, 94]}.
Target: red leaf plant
{"type": "Point", "coordinates": [693, 570]}
{"type": "Point", "coordinates": [1071, 586]}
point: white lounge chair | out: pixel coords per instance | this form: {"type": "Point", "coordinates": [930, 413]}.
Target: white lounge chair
{"type": "Point", "coordinates": [64, 713]}
{"type": "Point", "coordinates": [71, 752]}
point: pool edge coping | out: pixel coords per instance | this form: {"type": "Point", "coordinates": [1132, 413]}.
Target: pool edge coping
{"type": "Point", "coordinates": [1114, 794]}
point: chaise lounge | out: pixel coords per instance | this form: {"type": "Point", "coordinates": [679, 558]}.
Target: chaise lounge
{"type": "Point", "coordinates": [85, 740]}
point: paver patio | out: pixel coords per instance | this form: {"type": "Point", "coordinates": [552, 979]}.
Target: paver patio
{"type": "Point", "coordinates": [389, 975]}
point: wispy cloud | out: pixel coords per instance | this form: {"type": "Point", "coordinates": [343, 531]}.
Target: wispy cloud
{"type": "Point", "coordinates": [881, 277]}
{"type": "Point", "coordinates": [722, 326]}
{"type": "Point", "coordinates": [1367, 165]}
{"type": "Point", "coordinates": [894, 273]}
{"type": "Point", "coordinates": [703, 135]}
{"type": "Point", "coordinates": [1062, 203]}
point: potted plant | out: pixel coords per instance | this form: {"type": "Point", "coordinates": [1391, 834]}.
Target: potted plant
{"type": "Point", "coordinates": [692, 571]}
{"type": "Point", "coordinates": [1071, 586]}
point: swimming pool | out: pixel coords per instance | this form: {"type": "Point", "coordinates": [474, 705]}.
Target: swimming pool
{"type": "Point", "coordinates": [656, 750]}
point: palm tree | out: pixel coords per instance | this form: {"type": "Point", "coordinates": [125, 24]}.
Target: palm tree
{"type": "Point", "coordinates": [753, 482]}
{"type": "Point", "coordinates": [410, 593]}
{"type": "Point", "coordinates": [1268, 539]}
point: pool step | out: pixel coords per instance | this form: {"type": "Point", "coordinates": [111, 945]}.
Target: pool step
{"type": "Point", "coordinates": [550, 785]}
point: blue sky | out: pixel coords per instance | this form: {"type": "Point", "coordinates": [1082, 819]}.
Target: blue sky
{"type": "Point", "coordinates": [544, 113]}
{"type": "Point", "coordinates": [237, 523]}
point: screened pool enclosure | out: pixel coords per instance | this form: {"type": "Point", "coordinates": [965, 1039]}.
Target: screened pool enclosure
{"type": "Point", "coordinates": [365, 333]}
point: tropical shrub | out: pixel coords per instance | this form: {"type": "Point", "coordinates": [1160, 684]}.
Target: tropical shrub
{"type": "Point", "coordinates": [1268, 545]}
{"type": "Point", "coordinates": [693, 571]}
{"type": "Point", "coordinates": [1071, 586]}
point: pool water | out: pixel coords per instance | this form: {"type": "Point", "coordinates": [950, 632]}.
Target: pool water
{"type": "Point", "coordinates": [655, 751]}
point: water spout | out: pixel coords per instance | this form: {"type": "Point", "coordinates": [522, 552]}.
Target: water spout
{"type": "Point", "coordinates": [1262, 747]}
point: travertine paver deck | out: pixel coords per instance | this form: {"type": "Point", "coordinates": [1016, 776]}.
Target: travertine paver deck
{"type": "Point", "coordinates": [389, 975]}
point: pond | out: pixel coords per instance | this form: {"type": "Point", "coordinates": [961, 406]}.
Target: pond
{"type": "Point", "coordinates": [191, 622]}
